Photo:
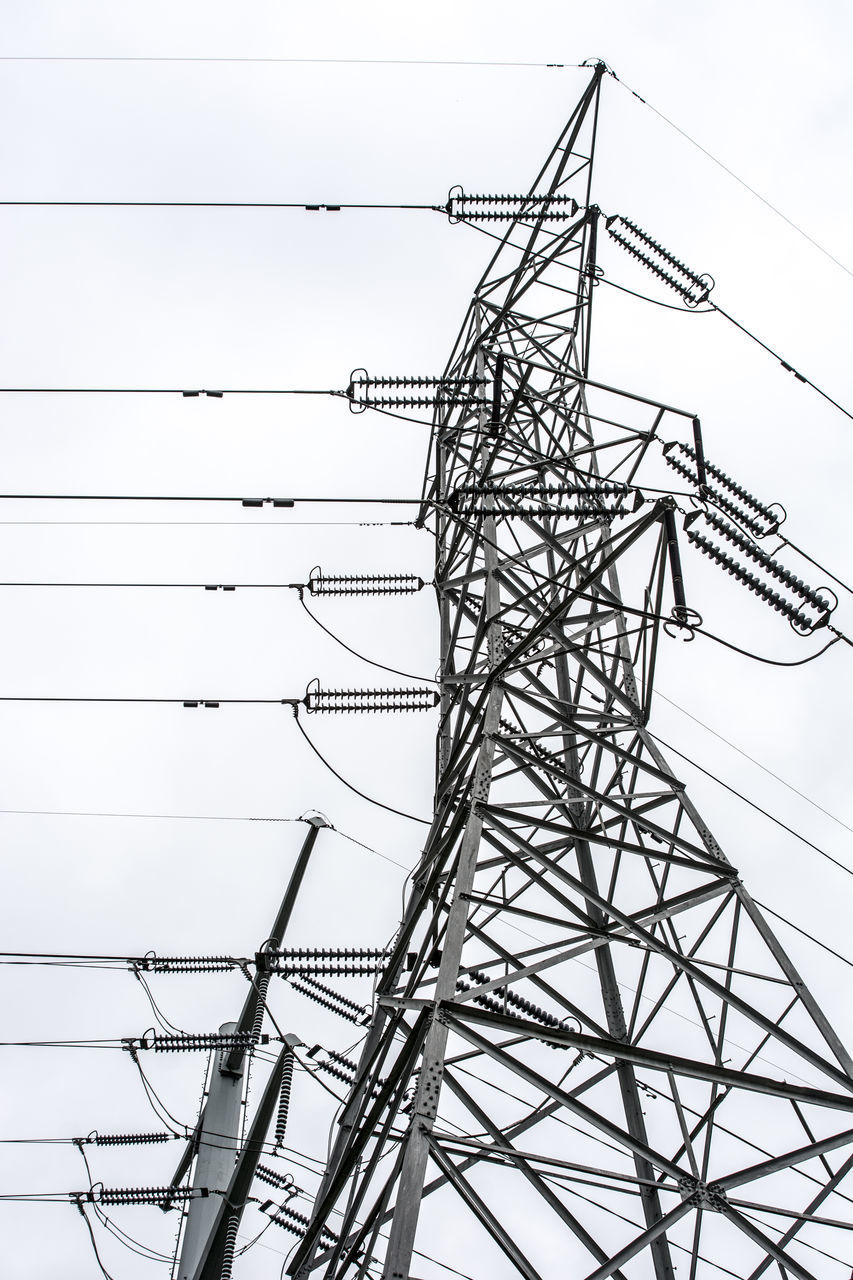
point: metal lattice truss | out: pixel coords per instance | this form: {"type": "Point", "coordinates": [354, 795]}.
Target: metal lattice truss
{"type": "Point", "coordinates": [590, 1056]}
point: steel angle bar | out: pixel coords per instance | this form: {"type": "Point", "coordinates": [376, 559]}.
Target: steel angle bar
{"type": "Point", "coordinates": [690, 1068]}
{"type": "Point", "coordinates": [357, 1143]}
{"type": "Point", "coordinates": [666, 911]}
{"type": "Point", "coordinates": [620, 391]}
{"type": "Point", "coordinates": [615, 692]}
{"type": "Point", "coordinates": [642, 1241]}
{"type": "Point", "coordinates": [771, 1249]}
{"type": "Point", "coordinates": [601, 738]}
{"type": "Point", "coordinates": [522, 1161]}
{"type": "Point", "coordinates": [690, 809]}
{"type": "Point", "coordinates": [688, 967]}
{"type": "Point", "coordinates": [766, 1167]}
{"type": "Point", "coordinates": [499, 1150]}
{"type": "Point", "coordinates": [481, 1211]}
{"type": "Point", "coordinates": [697, 863]}
{"type": "Point", "coordinates": [804, 1219]}
{"type": "Point", "coordinates": [786, 965]}
{"type": "Point", "coordinates": [594, 1118]}
{"type": "Point", "coordinates": [825, 1191]}
{"type": "Point", "coordinates": [602, 797]}
{"type": "Point", "coordinates": [560, 998]}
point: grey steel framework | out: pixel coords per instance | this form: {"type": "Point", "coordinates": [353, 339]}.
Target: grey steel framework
{"type": "Point", "coordinates": [589, 1053]}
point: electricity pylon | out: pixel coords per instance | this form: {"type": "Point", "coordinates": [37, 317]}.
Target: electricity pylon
{"type": "Point", "coordinates": [589, 1053]}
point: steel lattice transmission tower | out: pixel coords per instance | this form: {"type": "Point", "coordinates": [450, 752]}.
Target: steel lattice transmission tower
{"type": "Point", "coordinates": [589, 1051]}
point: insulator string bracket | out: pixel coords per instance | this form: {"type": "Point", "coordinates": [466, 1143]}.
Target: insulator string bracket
{"type": "Point", "coordinates": [692, 288]}
{"type": "Point", "coordinates": [417, 392]}
{"type": "Point", "coordinates": [794, 610]}
{"type": "Point", "coordinates": [552, 207]}
{"type": "Point", "coordinates": [374, 584]}
{"type": "Point", "coordinates": [761, 519]}
{"type": "Point", "coordinates": [331, 701]}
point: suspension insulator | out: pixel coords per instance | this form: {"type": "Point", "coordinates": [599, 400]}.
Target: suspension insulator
{"type": "Point", "coordinates": [535, 748]}
{"type": "Point", "coordinates": [203, 1041]}
{"type": "Point", "coordinates": [591, 487]}
{"type": "Point", "coordinates": [144, 1195]}
{"type": "Point", "coordinates": [754, 584]}
{"type": "Point", "coordinates": [185, 964]}
{"type": "Point", "coordinates": [766, 562]}
{"type": "Point", "coordinates": [128, 1139]}
{"type": "Point", "coordinates": [496, 1001]}
{"type": "Point", "coordinates": [329, 970]}
{"type": "Point", "coordinates": [501, 510]}
{"type": "Point", "coordinates": [505, 208]}
{"type": "Point", "coordinates": [328, 701]}
{"type": "Point", "coordinates": [377, 584]}
{"type": "Point", "coordinates": [755, 516]}
{"type": "Point", "coordinates": [365, 392]}
{"type": "Point", "coordinates": [692, 288]}
{"type": "Point", "coordinates": [337, 961]}
{"type": "Point", "coordinates": [229, 1248]}
{"type": "Point", "coordinates": [281, 1181]}
{"type": "Point", "coordinates": [330, 999]}
{"type": "Point", "coordinates": [284, 1099]}
{"type": "Point", "coordinates": [295, 1222]}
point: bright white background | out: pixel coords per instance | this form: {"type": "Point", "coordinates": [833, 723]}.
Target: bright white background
{"type": "Point", "coordinates": [213, 298]}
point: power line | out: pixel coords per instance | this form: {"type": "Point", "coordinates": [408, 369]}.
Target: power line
{"type": "Point", "coordinates": [752, 804]}
{"type": "Point", "coordinates": [753, 760]}
{"type": "Point", "coordinates": [378, 803]}
{"type": "Point", "coordinates": [719, 163]}
{"type": "Point", "coordinates": [823, 945]}
{"type": "Point", "coordinates": [218, 524]}
{"type": "Point", "coordinates": [351, 62]}
{"type": "Point", "coordinates": [252, 503]}
{"type": "Point", "coordinates": [211, 204]}
{"type": "Point", "coordinates": [171, 391]}
{"type": "Point", "coordinates": [801, 377]}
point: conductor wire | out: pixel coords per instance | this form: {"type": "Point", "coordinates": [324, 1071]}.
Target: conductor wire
{"type": "Point", "coordinates": [362, 657]}
{"type": "Point", "coordinates": [389, 808]}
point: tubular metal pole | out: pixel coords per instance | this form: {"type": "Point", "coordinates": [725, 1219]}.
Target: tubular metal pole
{"type": "Point", "coordinates": [218, 1141]}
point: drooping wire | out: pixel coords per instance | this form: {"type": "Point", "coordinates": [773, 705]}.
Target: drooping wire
{"type": "Point", "coordinates": [101, 1266]}
{"type": "Point", "coordinates": [770, 662]}
{"type": "Point", "coordinates": [378, 803]}
{"type": "Point", "coordinates": [362, 657]}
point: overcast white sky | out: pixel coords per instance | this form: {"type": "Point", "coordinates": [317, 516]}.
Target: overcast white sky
{"type": "Point", "coordinates": [265, 299]}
